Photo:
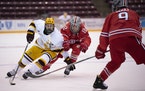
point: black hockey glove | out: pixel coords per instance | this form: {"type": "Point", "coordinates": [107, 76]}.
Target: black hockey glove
{"type": "Point", "coordinates": [30, 36]}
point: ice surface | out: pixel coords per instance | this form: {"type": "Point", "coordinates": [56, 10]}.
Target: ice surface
{"type": "Point", "coordinates": [130, 77]}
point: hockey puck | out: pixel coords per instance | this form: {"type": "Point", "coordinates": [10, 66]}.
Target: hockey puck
{"type": "Point", "coordinates": [13, 83]}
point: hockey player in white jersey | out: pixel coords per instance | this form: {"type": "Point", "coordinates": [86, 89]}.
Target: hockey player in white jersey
{"type": "Point", "coordinates": [46, 47]}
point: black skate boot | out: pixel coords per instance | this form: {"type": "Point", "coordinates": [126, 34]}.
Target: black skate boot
{"type": "Point", "coordinates": [70, 67]}
{"type": "Point", "coordinates": [98, 84]}
{"type": "Point", "coordinates": [39, 71]}
{"type": "Point", "coordinates": [26, 74]}
{"type": "Point", "coordinates": [11, 73]}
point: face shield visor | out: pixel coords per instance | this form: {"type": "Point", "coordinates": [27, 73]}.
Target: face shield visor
{"type": "Point", "coordinates": [75, 29]}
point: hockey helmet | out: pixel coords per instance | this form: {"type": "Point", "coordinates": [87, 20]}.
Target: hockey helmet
{"type": "Point", "coordinates": [117, 4]}
{"type": "Point", "coordinates": [49, 21]}
{"type": "Point", "coordinates": [75, 23]}
{"type": "Point", "coordinates": [49, 26]}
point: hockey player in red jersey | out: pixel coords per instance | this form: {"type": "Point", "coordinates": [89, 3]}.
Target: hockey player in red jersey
{"type": "Point", "coordinates": [77, 38]}
{"type": "Point", "coordinates": [123, 33]}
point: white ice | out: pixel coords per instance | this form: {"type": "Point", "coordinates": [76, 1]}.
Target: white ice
{"type": "Point", "coordinates": [129, 77]}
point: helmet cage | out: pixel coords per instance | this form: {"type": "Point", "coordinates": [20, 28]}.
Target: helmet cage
{"type": "Point", "coordinates": [75, 24]}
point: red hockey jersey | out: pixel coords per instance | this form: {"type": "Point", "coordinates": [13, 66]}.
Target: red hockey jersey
{"type": "Point", "coordinates": [82, 36]}
{"type": "Point", "coordinates": [121, 23]}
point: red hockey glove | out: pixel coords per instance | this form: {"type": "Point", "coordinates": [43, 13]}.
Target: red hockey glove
{"type": "Point", "coordinates": [66, 45]}
{"type": "Point", "coordinates": [84, 47]}
{"type": "Point", "coordinates": [100, 53]}
{"type": "Point", "coordinates": [30, 36]}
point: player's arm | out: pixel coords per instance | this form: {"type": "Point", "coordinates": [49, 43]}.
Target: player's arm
{"type": "Point", "coordinates": [103, 40]}
{"type": "Point", "coordinates": [104, 36]}
{"type": "Point", "coordinates": [85, 40]}
{"type": "Point", "coordinates": [30, 32]}
{"type": "Point", "coordinates": [65, 33]}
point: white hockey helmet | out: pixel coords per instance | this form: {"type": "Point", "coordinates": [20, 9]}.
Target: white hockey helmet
{"type": "Point", "coordinates": [75, 23]}
{"type": "Point", "coordinates": [117, 4]}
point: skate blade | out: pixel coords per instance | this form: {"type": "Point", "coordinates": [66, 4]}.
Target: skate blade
{"type": "Point", "coordinates": [99, 89]}
{"type": "Point", "coordinates": [65, 75]}
{"type": "Point", "coordinates": [7, 77]}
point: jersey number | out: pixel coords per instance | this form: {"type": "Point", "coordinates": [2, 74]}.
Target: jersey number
{"type": "Point", "coordinates": [123, 15]}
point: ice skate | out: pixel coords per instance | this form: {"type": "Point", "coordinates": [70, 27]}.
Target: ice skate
{"type": "Point", "coordinates": [26, 74]}
{"type": "Point", "coordinates": [11, 73]}
{"type": "Point", "coordinates": [69, 68]}
{"type": "Point", "coordinates": [98, 84]}
{"type": "Point", "coordinates": [67, 71]}
{"type": "Point", "coordinates": [40, 71]}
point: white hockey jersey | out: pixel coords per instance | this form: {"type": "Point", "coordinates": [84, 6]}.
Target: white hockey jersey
{"type": "Point", "coordinates": [52, 41]}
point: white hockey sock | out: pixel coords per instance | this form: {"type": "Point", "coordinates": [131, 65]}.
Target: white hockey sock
{"type": "Point", "coordinates": [34, 68]}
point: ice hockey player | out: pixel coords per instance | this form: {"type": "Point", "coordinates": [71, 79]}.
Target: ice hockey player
{"type": "Point", "coordinates": [77, 38]}
{"type": "Point", "coordinates": [45, 49]}
{"type": "Point", "coordinates": [122, 32]}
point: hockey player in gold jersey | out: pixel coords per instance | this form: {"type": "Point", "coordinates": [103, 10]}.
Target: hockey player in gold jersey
{"type": "Point", "coordinates": [46, 47]}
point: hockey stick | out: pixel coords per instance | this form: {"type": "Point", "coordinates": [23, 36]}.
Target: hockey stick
{"type": "Point", "coordinates": [12, 79]}
{"type": "Point", "coordinates": [37, 76]}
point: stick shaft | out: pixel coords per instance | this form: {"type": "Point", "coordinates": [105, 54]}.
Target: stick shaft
{"type": "Point", "coordinates": [37, 76]}
{"type": "Point", "coordinates": [11, 80]}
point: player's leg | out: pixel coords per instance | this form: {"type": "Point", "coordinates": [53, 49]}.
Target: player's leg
{"type": "Point", "coordinates": [117, 58]}
{"type": "Point", "coordinates": [26, 59]}
{"type": "Point", "coordinates": [137, 50]}
{"type": "Point", "coordinates": [73, 57]}
{"type": "Point", "coordinates": [36, 67]}
{"type": "Point", "coordinates": [48, 65]}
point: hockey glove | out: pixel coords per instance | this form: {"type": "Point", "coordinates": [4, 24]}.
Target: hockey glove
{"type": "Point", "coordinates": [66, 45]}
{"type": "Point", "coordinates": [100, 53]}
{"type": "Point", "coordinates": [30, 36]}
{"type": "Point", "coordinates": [84, 47]}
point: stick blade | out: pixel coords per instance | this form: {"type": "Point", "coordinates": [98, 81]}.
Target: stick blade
{"type": "Point", "coordinates": [13, 83]}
